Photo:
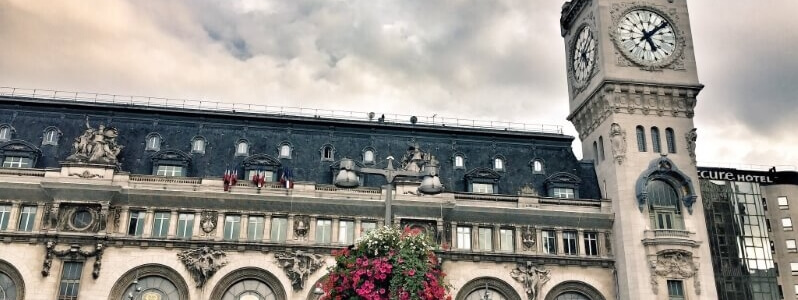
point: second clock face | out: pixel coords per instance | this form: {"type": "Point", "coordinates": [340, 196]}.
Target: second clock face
{"type": "Point", "coordinates": [646, 37]}
{"type": "Point", "coordinates": [584, 55]}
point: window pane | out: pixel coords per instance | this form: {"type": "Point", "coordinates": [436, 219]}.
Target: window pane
{"type": "Point", "coordinates": [783, 202]}
{"type": "Point", "coordinates": [160, 225]}
{"type": "Point", "coordinates": [549, 241]}
{"type": "Point", "coordinates": [591, 243]}
{"type": "Point", "coordinates": [671, 140]}
{"type": "Point", "coordinates": [786, 222]}
{"type": "Point", "coordinates": [368, 156]}
{"type": "Point", "coordinates": [498, 164]}
{"type": "Point", "coordinates": [485, 239]}
{"type": "Point", "coordinates": [323, 231]}
{"type": "Point", "coordinates": [255, 228]}
{"type": "Point", "coordinates": [641, 139]}
{"type": "Point", "coordinates": [5, 214]}
{"type": "Point", "coordinates": [185, 225]}
{"type": "Point", "coordinates": [506, 238]}
{"type": "Point", "coordinates": [285, 151]}
{"type": "Point", "coordinates": [365, 227]}
{"type": "Point", "coordinates": [655, 140]}
{"type": "Point", "coordinates": [279, 227]}
{"type": "Point", "coordinates": [483, 188]}
{"type": "Point", "coordinates": [70, 280]}
{"type": "Point", "coordinates": [17, 162]}
{"type": "Point", "coordinates": [26, 218]}
{"type": "Point", "coordinates": [232, 227]}
{"type": "Point", "coordinates": [569, 242]}
{"type": "Point", "coordinates": [458, 161]}
{"type": "Point", "coordinates": [463, 237]}
{"type": "Point", "coordinates": [346, 232]}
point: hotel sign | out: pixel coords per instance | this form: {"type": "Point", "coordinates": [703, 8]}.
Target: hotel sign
{"type": "Point", "coordinates": [734, 175]}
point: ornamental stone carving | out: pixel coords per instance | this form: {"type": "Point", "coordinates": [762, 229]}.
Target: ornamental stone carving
{"type": "Point", "coordinates": [674, 264]}
{"type": "Point", "coordinates": [528, 238]}
{"type": "Point", "coordinates": [208, 222]}
{"type": "Point", "coordinates": [202, 263]}
{"type": "Point", "coordinates": [73, 253]}
{"type": "Point", "coordinates": [691, 138]}
{"type": "Point", "coordinates": [531, 277]}
{"type": "Point", "coordinates": [299, 265]}
{"type": "Point", "coordinates": [301, 227]}
{"type": "Point", "coordinates": [97, 146]}
{"type": "Point", "coordinates": [618, 142]}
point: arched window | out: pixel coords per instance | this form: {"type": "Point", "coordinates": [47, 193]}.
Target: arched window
{"type": "Point", "coordinates": [51, 135]}
{"type": "Point", "coordinates": [601, 147]}
{"type": "Point", "coordinates": [537, 166]}
{"type": "Point", "coordinates": [458, 161]}
{"type": "Point", "coordinates": [595, 151]}
{"type": "Point", "coordinates": [655, 145]}
{"type": "Point", "coordinates": [6, 132]}
{"type": "Point", "coordinates": [198, 145]}
{"type": "Point", "coordinates": [242, 148]}
{"type": "Point", "coordinates": [368, 156]}
{"type": "Point", "coordinates": [285, 150]}
{"type": "Point", "coordinates": [249, 289]}
{"type": "Point", "coordinates": [671, 140]}
{"type": "Point", "coordinates": [153, 142]}
{"type": "Point", "coordinates": [327, 153]}
{"type": "Point", "coordinates": [498, 163]}
{"type": "Point", "coordinates": [641, 139]}
{"type": "Point", "coordinates": [571, 296]}
{"type": "Point", "coordinates": [664, 205]}
{"type": "Point", "coordinates": [249, 284]}
{"type": "Point", "coordinates": [479, 294]}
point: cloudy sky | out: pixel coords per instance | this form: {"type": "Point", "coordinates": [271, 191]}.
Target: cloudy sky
{"type": "Point", "coordinates": [487, 60]}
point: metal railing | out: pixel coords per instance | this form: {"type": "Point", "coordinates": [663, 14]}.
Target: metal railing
{"type": "Point", "coordinates": [206, 105]}
{"type": "Point", "coordinates": [746, 167]}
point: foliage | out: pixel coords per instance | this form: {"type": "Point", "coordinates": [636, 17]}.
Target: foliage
{"type": "Point", "coordinates": [387, 263]}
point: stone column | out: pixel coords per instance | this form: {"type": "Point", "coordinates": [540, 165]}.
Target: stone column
{"type": "Point", "coordinates": [37, 219]}
{"type": "Point", "coordinates": [195, 228]}
{"type": "Point", "coordinates": [496, 242]}
{"type": "Point", "coordinates": [538, 239]}
{"type": "Point", "coordinates": [558, 238]}
{"type": "Point", "coordinates": [580, 242]}
{"type": "Point", "coordinates": [242, 235]}
{"type": "Point", "coordinates": [334, 230]}
{"type": "Point", "coordinates": [172, 225]}
{"type": "Point", "coordinates": [474, 237]}
{"type": "Point", "coordinates": [312, 231]}
{"type": "Point", "coordinates": [148, 217]}
{"type": "Point", "coordinates": [124, 220]}
{"type": "Point", "coordinates": [219, 226]}
{"type": "Point", "coordinates": [267, 227]}
{"type": "Point", "coordinates": [358, 227]}
{"type": "Point", "coordinates": [454, 236]}
{"type": "Point", "coordinates": [13, 218]}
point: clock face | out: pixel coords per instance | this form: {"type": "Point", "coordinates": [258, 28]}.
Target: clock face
{"type": "Point", "coordinates": [81, 219]}
{"type": "Point", "coordinates": [584, 56]}
{"type": "Point", "coordinates": [646, 37]}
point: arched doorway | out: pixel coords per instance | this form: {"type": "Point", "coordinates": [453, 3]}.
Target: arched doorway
{"type": "Point", "coordinates": [574, 290]}
{"type": "Point", "coordinates": [496, 289]}
{"type": "Point", "coordinates": [11, 285]}
{"type": "Point", "coordinates": [249, 284]}
{"type": "Point", "coordinates": [150, 282]}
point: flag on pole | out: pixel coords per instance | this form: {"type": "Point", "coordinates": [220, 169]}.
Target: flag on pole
{"type": "Point", "coordinates": [286, 179]}
{"type": "Point", "coordinates": [226, 179]}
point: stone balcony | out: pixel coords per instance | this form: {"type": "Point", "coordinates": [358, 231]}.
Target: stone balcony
{"type": "Point", "coordinates": [667, 239]}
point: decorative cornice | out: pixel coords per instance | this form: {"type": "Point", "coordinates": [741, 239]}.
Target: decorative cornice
{"type": "Point", "coordinates": [73, 253]}
{"type": "Point", "coordinates": [633, 98]}
{"type": "Point", "coordinates": [570, 10]}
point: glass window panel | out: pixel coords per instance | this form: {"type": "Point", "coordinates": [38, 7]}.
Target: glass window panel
{"type": "Point", "coordinates": [459, 162]}
{"type": "Point", "coordinates": [160, 224]}
{"type": "Point", "coordinates": [783, 202]}
{"type": "Point", "coordinates": [569, 242]}
{"type": "Point", "coordinates": [26, 218]}
{"type": "Point", "coordinates": [255, 228]}
{"type": "Point", "coordinates": [567, 193]}
{"type": "Point", "coordinates": [498, 164]}
{"type": "Point", "coordinates": [463, 237]}
{"type": "Point", "coordinates": [365, 227]}
{"type": "Point", "coordinates": [165, 170]}
{"type": "Point", "coordinates": [786, 222]}
{"type": "Point", "coordinates": [485, 239]}
{"type": "Point", "coordinates": [591, 243]}
{"type": "Point", "coordinates": [136, 223]}
{"type": "Point", "coordinates": [70, 280]}
{"type": "Point", "coordinates": [279, 229]}
{"type": "Point", "coordinates": [790, 244]}
{"type": "Point", "coordinates": [323, 231]}
{"type": "Point", "coordinates": [641, 139]}
{"type": "Point", "coordinates": [17, 162]}
{"type": "Point", "coordinates": [185, 225]}
{"type": "Point", "coordinates": [346, 232]}
{"type": "Point", "coordinates": [549, 241]}
{"type": "Point", "coordinates": [285, 151]}
{"type": "Point", "coordinates": [483, 188]}
{"type": "Point", "coordinates": [232, 227]}
{"type": "Point", "coordinates": [5, 214]}
{"type": "Point", "coordinates": [506, 239]}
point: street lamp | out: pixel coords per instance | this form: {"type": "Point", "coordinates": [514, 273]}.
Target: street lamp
{"type": "Point", "coordinates": [417, 165]}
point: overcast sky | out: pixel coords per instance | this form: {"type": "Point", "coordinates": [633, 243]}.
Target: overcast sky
{"type": "Point", "coordinates": [487, 60]}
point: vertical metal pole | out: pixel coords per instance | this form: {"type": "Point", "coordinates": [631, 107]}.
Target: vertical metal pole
{"type": "Point", "coordinates": [388, 204]}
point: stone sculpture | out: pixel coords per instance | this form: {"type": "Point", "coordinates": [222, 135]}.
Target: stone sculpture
{"type": "Point", "coordinates": [208, 222]}
{"type": "Point", "coordinates": [73, 253]}
{"type": "Point", "coordinates": [202, 263]}
{"type": "Point", "coordinates": [691, 138]}
{"type": "Point", "coordinates": [96, 146]}
{"type": "Point", "coordinates": [299, 265]}
{"type": "Point", "coordinates": [618, 142]}
{"type": "Point", "coordinates": [301, 227]}
{"type": "Point", "coordinates": [674, 264]}
{"type": "Point", "coordinates": [528, 238]}
{"type": "Point", "coordinates": [531, 277]}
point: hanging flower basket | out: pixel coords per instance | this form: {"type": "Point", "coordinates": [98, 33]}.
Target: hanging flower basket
{"type": "Point", "coordinates": [387, 263]}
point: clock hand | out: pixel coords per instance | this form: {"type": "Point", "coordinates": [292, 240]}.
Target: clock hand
{"type": "Point", "coordinates": [658, 28]}
{"type": "Point", "coordinates": [651, 43]}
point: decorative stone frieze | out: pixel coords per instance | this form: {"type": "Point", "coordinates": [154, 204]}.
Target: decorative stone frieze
{"type": "Point", "coordinates": [208, 222]}
{"type": "Point", "coordinates": [299, 265]}
{"type": "Point", "coordinates": [73, 253]}
{"type": "Point", "coordinates": [674, 264]}
{"type": "Point", "coordinates": [531, 277]}
{"type": "Point", "coordinates": [202, 263]}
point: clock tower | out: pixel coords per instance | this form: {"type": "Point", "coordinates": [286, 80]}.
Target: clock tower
{"type": "Point", "coordinates": [633, 85]}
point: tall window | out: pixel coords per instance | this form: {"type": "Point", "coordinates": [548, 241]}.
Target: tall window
{"type": "Point", "coordinates": [70, 280]}
{"type": "Point", "coordinates": [327, 153]}
{"type": "Point", "coordinates": [569, 242]}
{"type": "Point", "coordinates": [365, 227]}
{"type": "Point", "coordinates": [485, 239]}
{"type": "Point", "coordinates": [50, 137]}
{"type": "Point", "coordinates": [459, 162]}
{"type": "Point", "coordinates": [549, 238]}
{"type": "Point", "coordinates": [160, 224]}
{"type": "Point", "coordinates": [591, 243]}
{"type": "Point", "coordinates": [232, 227]}
{"type": "Point", "coordinates": [671, 140]}
{"type": "Point", "coordinates": [153, 142]}
{"type": "Point", "coordinates": [135, 225]}
{"type": "Point", "coordinates": [198, 145]}
{"type": "Point", "coordinates": [17, 162]}
{"type": "Point", "coordinates": [368, 156]}
{"type": "Point", "coordinates": [255, 228]}
{"type": "Point", "coordinates": [346, 232]}
{"type": "Point", "coordinates": [285, 151]}
{"type": "Point", "coordinates": [506, 239]}
{"type": "Point", "coordinates": [279, 228]}
{"type": "Point", "coordinates": [242, 148]}
{"type": "Point", "coordinates": [655, 140]}
{"type": "Point", "coordinates": [664, 205]}
{"type": "Point", "coordinates": [5, 214]}
{"type": "Point", "coordinates": [537, 166]}
{"type": "Point", "coordinates": [463, 238]}
{"type": "Point", "coordinates": [783, 203]}
{"type": "Point", "coordinates": [641, 139]}
{"type": "Point", "coordinates": [323, 231]}
{"type": "Point", "coordinates": [498, 164]}
{"type": "Point", "coordinates": [567, 193]}
{"type": "Point", "coordinates": [170, 171]}
{"type": "Point", "coordinates": [5, 133]}
{"type": "Point", "coordinates": [26, 218]}
{"type": "Point", "coordinates": [185, 225]}
{"type": "Point", "coordinates": [601, 147]}
{"type": "Point", "coordinates": [595, 151]}
{"type": "Point", "coordinates": [675, 290]}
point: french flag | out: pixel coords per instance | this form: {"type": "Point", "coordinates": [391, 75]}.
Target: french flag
{"type": "Point", "coordinates": [259, 178]}
{"type": "Point", "coordinates": [226, 179]}
{"type": "Point", "coordinates": [286, 179]}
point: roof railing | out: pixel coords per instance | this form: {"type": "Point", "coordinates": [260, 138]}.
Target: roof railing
{"type": "Point", "coordinates": [747, 167]}
{"type": "Point", "coordinates": [206, 105]}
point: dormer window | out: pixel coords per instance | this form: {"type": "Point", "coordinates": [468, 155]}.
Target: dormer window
{"type": "Point", "coordinates": [171, 163]}
{"type": "Point", "coordinates": [368, 156]}
{"type": "Point", "coordinates": [17, 162]}
{"type": "Point", "coordinates": [458, 161]}
{"type": "Point", "coordinates": [498, 163]}
{"type": "Point", "coordinates": [170, 171]}
{"type": "Point", "coordinates": [327, 153]}
{"type": "Point", "coordinates": [242, 148]}
{"type": "Point", "coordinates": [5, 133]}
{"type": "Point", "coordinates": [285, 150]}
{"type": "Point", "coordinates": [18, 154]}
{"type": "Point", "coordinates": [482, 180]}
{"type": "Point", "coordinates": [153, 142]}
{"type": "Point", "coordinates": [198, 145]}
{"type": "Point", "coordinates": [563, 185]}
{"type": "Point", "coordinates": [567, 193]}
{"type": "Point", "coordinates": [537, 166]}
{"type": "Point", "coordinates": [51, 135]}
